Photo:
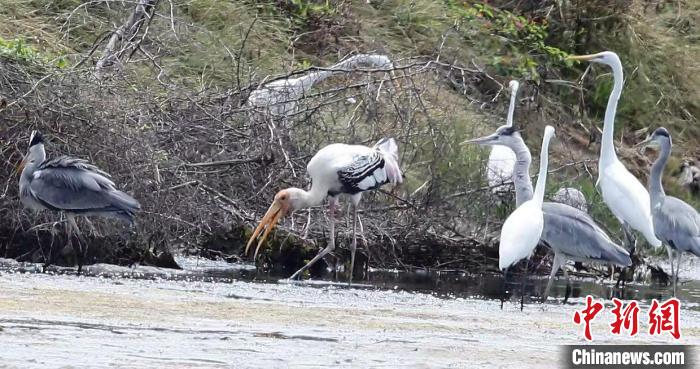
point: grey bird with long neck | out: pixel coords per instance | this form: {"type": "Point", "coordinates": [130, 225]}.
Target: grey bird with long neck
{"type": "Point", "coordinates": [70, 186]}
{"type": "Point", "coordinates": [569, 232]}
{"type": "Point", "coordinates": [676, 223]}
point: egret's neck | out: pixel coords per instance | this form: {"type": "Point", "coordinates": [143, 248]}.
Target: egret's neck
{"type": "Point", "coordinates": [538, 197]}
{"type": "Point", "coordinates": [521, 171]}
{"type": "Point", "coordinates": [656, 188]}
{"type": "Point", "coordinates": [607, 149]}
{"type": "Point", "coordinates": [511, 108]}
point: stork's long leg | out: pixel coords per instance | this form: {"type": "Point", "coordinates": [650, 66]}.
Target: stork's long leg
{"type": "Point", "coordinates": [332, 204]}
{"type": "Point", "coordinates": [355, 199]}
{"type": "Point", "coordinates": [556, 264]}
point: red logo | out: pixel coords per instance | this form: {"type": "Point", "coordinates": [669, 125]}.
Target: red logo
{"type": "Point", "coordinates": [589, 313]}
{"type": "Point", "coordinates": [663, 317]}
{"type": "Point", "coordinates": [626, 317]}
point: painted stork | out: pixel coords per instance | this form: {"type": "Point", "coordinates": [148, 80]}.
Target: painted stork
{"type": "Point", "coordinates": [622, 192]}
{"type": "Point", "coordinates": [337, 169]}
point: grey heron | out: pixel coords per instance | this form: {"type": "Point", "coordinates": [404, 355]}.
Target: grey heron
{"type": "Point", "coordinates": [571, 233]}
{"type": "Point", "coordinates": [280, 97]}
{"type": "Point", "coordinates": [676, 223]}
{"type": "Point", "coordinates": [522, 229]}
{"type": "Point", "coordinates": [622, 192]}
{"type": "Point", "coordinates": [70, 186]}
{"type": "Point", "coordinates": [335, 170]}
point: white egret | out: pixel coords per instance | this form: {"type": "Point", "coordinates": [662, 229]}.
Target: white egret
{"type": "Point", "coordinates": [522, 229]}
{"type": "Point", "coordinates": [622, 192]}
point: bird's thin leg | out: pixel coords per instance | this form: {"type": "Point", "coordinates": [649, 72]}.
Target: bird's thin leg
{"type": "Point", "coordinates": [556, 264]}
{"type": "Point", "coordinates": [80, 251]}
{"type": "Point", "coordinates": [522, 288]}
{"type": "Point", "coordinates": [353, 245]}
{"type": "Point", "coordinates": [332, 203]}
{"type": "Point", "coordinates": [669, 251]}
{"type": "Point", "coordinates": [505, 287]}
{"type": "Point", "coordinates": [568, 286]}
{"type": "Point", "coordinates": [678, 267]}
{"type": "Point", "coordinates": [630, 246]}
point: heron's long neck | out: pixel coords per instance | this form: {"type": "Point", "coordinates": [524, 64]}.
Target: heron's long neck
{"type": "Point", "coordinates": [542, 176]}
{"type": "Point", "coordinates": [607, 149]}
{"type": "Point", "coordinates": [656, 187]}
{"type": "Point", "coordinates": [521, 171]}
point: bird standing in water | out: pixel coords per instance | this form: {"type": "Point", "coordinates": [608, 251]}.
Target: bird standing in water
{"type": "Point", "coordinates": [337, 169]}
{"type": "Point", "coordinates": [676, 223]}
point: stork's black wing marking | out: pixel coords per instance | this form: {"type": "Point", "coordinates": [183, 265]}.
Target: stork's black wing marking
{"type": "Point", "coordinates": [366, 172]}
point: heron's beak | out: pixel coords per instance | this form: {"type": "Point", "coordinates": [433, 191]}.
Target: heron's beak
{"type": "Point", "coordinates": [582, 57]}
{"type": "Point", "coordinates": [486, 140]}
{"type": "Point", "coordinates": [642, 146]}
{"type": "Point", "coordinates": [21, 165]}
{"type": "Point", "coordinates": [276, 211]}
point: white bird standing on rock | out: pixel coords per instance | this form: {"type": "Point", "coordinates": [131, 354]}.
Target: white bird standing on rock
{"type": "Point", "coordinates": [522, 229]}
{"type": "Point", "coordinates": [622, 192]}
{"type": "Point", "coordinates": [337, 169]}
{"type": "Point", "coordinates": [280, 97]}
{"type": "Point", "coordinates": [499, 169]}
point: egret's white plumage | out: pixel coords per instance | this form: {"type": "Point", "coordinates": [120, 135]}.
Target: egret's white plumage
{"type": "Point", "coordinates": [499, 169]}
{"type": "Point", "coordinates": [522, 230]}
{"type": "Point", "coordinates": [337, 169]}
{"type": "Point", "coordinates": [622, 192]}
